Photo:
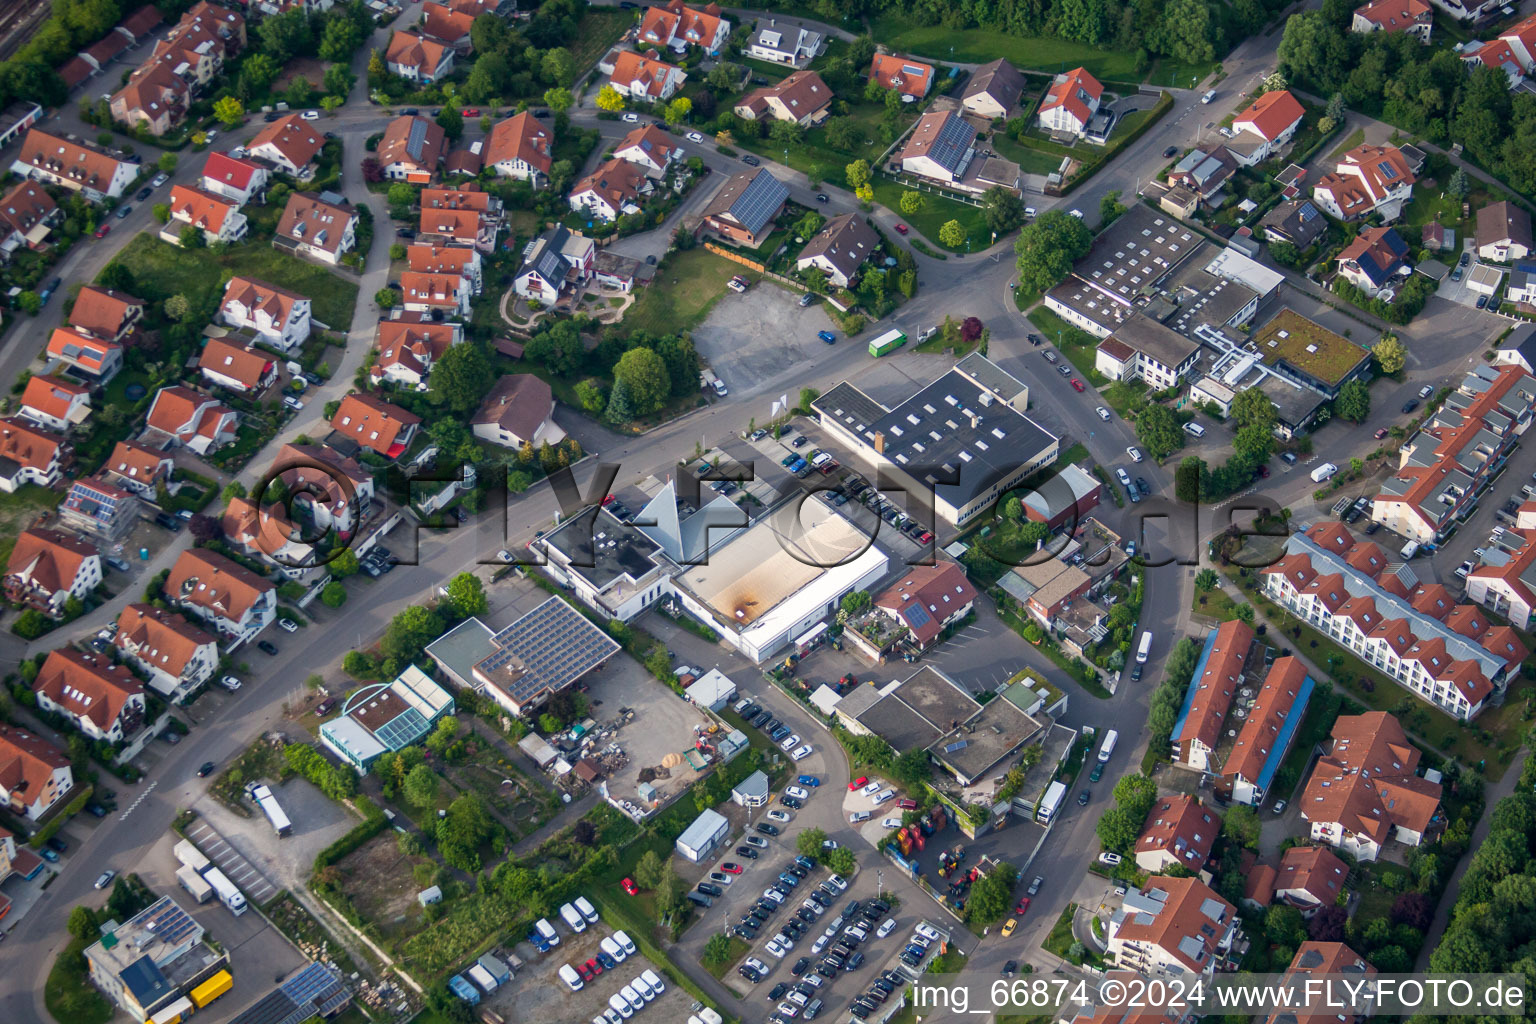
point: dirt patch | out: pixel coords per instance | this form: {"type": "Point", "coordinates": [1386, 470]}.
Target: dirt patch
{"type": "Point", "coordinates": [378, 879]}
{"type": "Point", "coordinates": [310, 68]}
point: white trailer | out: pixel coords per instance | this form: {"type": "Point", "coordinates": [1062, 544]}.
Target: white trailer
{"type": "Point", "coordinates": [228, 894]}
{"type": "Point", "coordinates": [482, 977]}
{"type": "Point", "coordinates": [194, 883]}
{"type": "Point", "coordinates": [273, 810]}
{"type": "Point", "coordinates": [1055, 793]}
{"type": "Point", "coordinates": [191, 856]}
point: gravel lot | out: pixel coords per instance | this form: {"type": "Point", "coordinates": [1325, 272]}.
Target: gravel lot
{"type": "Point", "coordinates": [538, 993]}
{"type": "Point", "coordinates": [317, 820]}
{"type": "Point", "coordinates": [752, 337]}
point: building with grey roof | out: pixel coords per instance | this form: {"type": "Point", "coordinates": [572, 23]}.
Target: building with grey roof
{"type": "Point", "coordinates": [1143, 349]}
{"type": "Point", "coordinates": [1126, 267]}
{"type": "Point", "coordinates": [993, 90]}
{"type": "Point", "coordinates": [744, 209]}
{"type": "Point", "coordinates": [542, 653]}
{"type": "Point", "coordinates": [610, 565]}
{"type": "Point", "coordinates": [840, 248]}
{"type": "Point", "coordinates": [149, 963]}
{"type": "Point", "coordinates": [708, 832]}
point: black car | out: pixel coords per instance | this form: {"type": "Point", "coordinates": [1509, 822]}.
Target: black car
{"type": "Point", "coordinates": [748, 973]}
{"type": "Point", "coordinates": [710, 889]}
{"type": "Point", "coordinates": [801, 966]}
{"type": "Point", "coordinates": [1082, 798]}
{"type": "Point", "coordinates": [270, 116]}
{"type": "Point", "coordinates": [888, 986]}
{"type": "Point", "coordinates": [268, 647]}
{"type": "Point", "coordinates": [1136, 672]}
{"type": "Point", "coordinates": [543, 114]}
{"type": "Point", "coordinates": [762, 827]}
{"type": "Point", "coordinates": [798, 870]}
{"type": "Point", "coordinates": [777, 992]}
{"type": "Point", "coordinates": [1170, 151]}
{"type": "Point", "coordinates": [826, 970]}
{"type": "Point", "coordinates": [747, 852]}
{"type": "Point", "coordinates": [1410, 405]}
{"type": "Point", "coordinates": [57, 845]}
{"type": "Point", "coordinates": [206, 770]}
{"type": "Point", "coordinates": [806, 915]}
{"type": "Point", "coordinates": [750, 160]}
{"type": "Point", "coordinates": [144, 193]}
{"type": "Point", "coordinates": [96, 810]}
{"type": "Point", "coordinates": [405, 232]}
{"type": "Point", "coordinates": [1142, 486]}
{"type": "Point", "coordinates": [821, 197]}
{"type": "Point", "coordinates": [1372, 528]}
{"type": "Point", "coordinates": [168, 521]}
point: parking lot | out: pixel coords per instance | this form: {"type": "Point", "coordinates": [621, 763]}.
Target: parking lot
{"type": "Point", "coordinates": [750, 338]}
{"type": "Point", "coordinates": [537, 992]}
{"type": "Point", "coordinates": [318, 821]}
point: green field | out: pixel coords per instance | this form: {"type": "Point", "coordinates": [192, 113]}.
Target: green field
{"type": "Point", "coordinates": [163, 270]}
{"type": "Point", "coordinates": [600, 28]}
{"type": "Point", "coordinates": [1029, 159]}
{"type": "Point", "coordinates": [816, 158]}
{"type": "Point", "coordinates": [936, 211]}
{"type": "Point", "coordinates": [687, 286]}
{"type": "Point", "coordinates": [978, 46]}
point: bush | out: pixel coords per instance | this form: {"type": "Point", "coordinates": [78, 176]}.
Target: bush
{"type": "Point", "coordinates": [334, 595]}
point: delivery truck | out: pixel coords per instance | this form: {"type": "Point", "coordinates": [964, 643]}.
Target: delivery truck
{"type": "Point", "coordinates": [267, 801]}
{"type": "Point", "coordinates": [231, 896]}
{"type": "Point", "coordinates": [1055, 793]}
{"type": "Point", "coordinates": [888, 342]}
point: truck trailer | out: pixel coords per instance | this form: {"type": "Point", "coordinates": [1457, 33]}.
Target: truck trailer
{"type": "Point", "coordinates": [194, 883]}
{"type": "Point", "coordinates": [1055, 793]}
{"type": "Point", "coordinates": [191, 856]}
{"type": "Point", "coordinates": [267, 801]}
{"type": "Point", "coordinates": [888, 342]}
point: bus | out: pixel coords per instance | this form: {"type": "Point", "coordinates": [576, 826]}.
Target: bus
{"type": "Point", "coordinates": [888, 342]}
{"type": "Point", "coordinates": [1145, 648]}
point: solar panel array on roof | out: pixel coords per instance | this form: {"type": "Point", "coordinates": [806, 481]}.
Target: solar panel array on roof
{"type": "Point", "coordinates": [315, 989]}
{"type": "Point", "coordinates": [952, 142]}
{"type": "Point", "coordinates": [916, 615]}
{"type": "Point", "coordinates": [170, 924]}
{"type": "Point", "coordinates": [417, 137]}
{"type": "Point", "coordinates": [759, 201]}
{"type": "Point", "coordinates": [554, 644]}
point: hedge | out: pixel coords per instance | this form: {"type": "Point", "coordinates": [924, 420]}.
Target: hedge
{"type": "Point", "coordinates": [372, 824]}
{"type": "Point", "coordinates": [1093, 166]}
{"type": "Point", "coordinates": [75, 807]}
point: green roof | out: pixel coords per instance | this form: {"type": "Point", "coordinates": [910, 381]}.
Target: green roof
{"type": "Point", "coordinates": [1309, 347]}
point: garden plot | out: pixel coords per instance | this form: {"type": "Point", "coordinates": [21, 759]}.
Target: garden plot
{"type": "Point", "coordinates": [382, 884]}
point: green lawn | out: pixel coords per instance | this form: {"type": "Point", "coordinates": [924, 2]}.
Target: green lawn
{"type": "Point", "coordinates": [70, 998]}
{"type": "Point", "coordinates": [162, 270]}
{"type": "Point", "coordinates": [978, 46]}
{"type": "Point", "coordinates": [1029, 159]}
{"type": "Point", "coordinates": [936, 211]}
{"type": "Point", "coordinates": [1080, 347]}
{"type": "Point", "coordinates": [1355, 138]}
{"type": "Point", "coordinates": [18, 510]}
{"type": "Point", "coordinates": [815, 157]}
{"type": "Point", "coordinates": [687, 286]}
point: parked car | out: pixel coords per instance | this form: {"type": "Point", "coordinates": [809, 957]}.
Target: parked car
{"type": "Point", "coordinates": [105, 878]}
{"type": "Point", "coordinates": [267, 647]}
{"type": "Point", "coordinates": [288, 625]}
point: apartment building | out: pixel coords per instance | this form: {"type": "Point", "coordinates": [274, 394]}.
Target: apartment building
{"type": "Point", "coordinates": [1173, 926]}
{"type": "Point", "coordinates": [233, 600]}
{"type": "Point", "coordinates": [175, 655]}
{"type": "Point", "coordinates": [1366, 790]}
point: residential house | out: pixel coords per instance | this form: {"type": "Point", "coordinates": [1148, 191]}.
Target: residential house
{"type": "Point", "coordinates": [1366, 790]}
{"type": "Point", "coordinates": [1204, 173]}
{"type": "Point", "coordinates": [180, 415]}
{"type": "Point", "coordinates": [73, 164]}
{"type": "Point", "coordinates": [644, 78]}
{"type": "Point", "coordinates": [447, 25]}
{"type": "Point", "coordinates": [677, 26]}
{"type": "Point", "coordinates": [106, 314]}
{"type": "Point", "coordinates": [1045, 588]}
{"type": "Point", "coordinates": [417, 59]}
{"type": "Point", "coordinates": [216, 216]}
{"type": "Point", "coordinates": [321, 227]}
{"type": "Point", "coordinates": [289, 145]}
{"type": "Point", "coordinates": [468, 216]}
{"type": "Point", "coordinates": [1330, 958]}
{"type": "Point", "coordinates": [29, 455]}
{"type": "Point", "coordinates": [840, 249]}
{"type": "Point", "coordinates": [54, 403]}
{"type": "Point", "coordinates": [1172, 926]}
{"type": "Point", "coordinates": [790, 44]}
{"type": "Point", "coordinates": [411, 149]}
{"type": "Point", "coordinates": [233, 600]}
{"type": "Point", "coordinates": [34, 774]}
{"type": "Point", "coordinates": [237, 367]}
{"type": "Point", "coordinates": [280, 318]}
{"type": "Point", "coordinates": [1504, 581]}
{"type": "Point", "coordinates": [105, 700]}
{"type": "Point", "coordinates": [1374, 260]}
{"type": "Point", "coordinates": [911, 78]}
{"type": "Point", "coordinates": [408, 346]}
{"type": "Point", "coordinates": [234, 178]}
{"type": "Point", "coordinates": [520, 147]}
{"type": "Point", "coordinates": [1295, 221]}
{"type": "Point", "coordinates": [1504, 232]}
{"type": "Point", "coordinates": [155, 99]}
{"type": "Point", "coordinates": [137, 469]}
{"type": "Point", "coordinates": [1179, 829]}
{"type": "Point", "coordinates": [99, 510]}
{"type": "Point", "coordinates": [331, 489]}
{"type": "Point", "coordinates": [460, 260]}
{"type": "Point", "coordinates": [744, 209]}
{"type": "Point", "coordinates": [928, 600]}
{"type": "Point", "coordinates": [1269, 122]}
{"type": "Point", "coordinates": [1415, 17]}
{"type": "Point", "coordinates": [1218, 675]}
{"type": "Point", "coordinates": [941, 147]}
{"type": "Point", "coordinates": [802, 98]}
{"type": "Point", "coordinates": [1268, 731]}
{"type": "Point", "coordinates": [1143, 349]}
{"type": "Point", "coordinates": [91, 357]}
{"type": "Point", "coordinates": [446, 294]}
{"type": "Point", "coordinates": [175, 655]}
{"type": "Point", "coordinates": [519, 410]}
{"type": "Point", "coordinates": [614, 188]}
{"type": "Point", "coordinates": [375, 424]}
{"type": "Point", "coordinates": [266, 533]}
{"type": "Point", "coordinates": [1368, 179]}
{"type": "Point", "coordinates": [48, 567]}
{"type": "Point", "coordinates": [553, 260]}
{"type": "Point", "coordinates": [650, 149]}
{"type": "Point", "coordinates": [1512, 51]}
{"type": "Point", "coordinates": [993, 90]}
{"type": "Point", "coordinates": [27, 217]}
{"type": "Point", "coordinates": [1070, 103]}
{"type": "Point", "coordinates": [1310, 877]}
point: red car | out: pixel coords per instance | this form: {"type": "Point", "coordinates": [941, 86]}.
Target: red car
{"type": "Point", "coordinates": [1023, 906]}
{"type": "Point", "coordinates": [103, 231]}
{"type": "Point", "coordinates": [923, 538]}
{"type": "Point", "coordinates": [1077, 385]}
{"type": "Point", "coordinates": [901, 229]}
{"type": "Point", "coordinates": [858, 783]}
{"type": "Point", "coordinates": [595, 967]}
{"type": "Point", "coordinates": [470, 111]}
{"type": "Point", "coordinates": [585, 970]}
{"type": "Point", "coordinates": [628, 885]}
{"type": "Point", "coordinates": [1380, 433]}
{"type": "Point", "coordinates": [730, 868]}
{"type": "Point", "coordinates": [608, 501]}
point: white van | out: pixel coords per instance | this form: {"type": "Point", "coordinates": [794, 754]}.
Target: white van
{"type": "Point", "coordinates": [1194, 429]}
{"type": "Point", "coordinates": [620, 1006]}
{"type": "Point", "coordinates": [632, 997]}
{"type": "Point", "coordinates": [1110, 739]}
{"type": "Point", "coordinates": [587, 910]}
{"type": "Point", "coordinates": [570, 977]}
{"type": "Point", "coordinates": [573, 919]}
{"type": "Point", "coordinates": [654, 980]}
{"type": "Point", "coordinates": [1144, 649]}
{"type": "Point", "coordinates": [1323, 472]}
{"type": "Point", "coordinates": [548, 931]}
{"type": "Point", "coordinates": [613, 949]}
{"type": "Point", "coordinates": [1209, 95]}
{"type": "Point", "coordinates": [858, 816]}
{"type": "Point", "coordinates": [709, 1016]}
{"type": "Point", "coordinates": [626, 942]}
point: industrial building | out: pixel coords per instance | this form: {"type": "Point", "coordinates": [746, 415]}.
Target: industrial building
{"type": "Point", "coordinates": [700, 840]}
{"type": "Point", "coordinates": [157, 966]}
{"type": "Point", "coordinates": [382, 718]}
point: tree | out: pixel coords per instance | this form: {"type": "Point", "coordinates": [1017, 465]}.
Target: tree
{"type": "Point", "coordinates": [1118, 829]}
{"type": "Point", "coordinates": [786, 134]}
{"type": "Point", "coordinates": [856, 602]}
{"type": "Point", "coordinates": [344, 564]}
{"type": "Point", "coordinates": [409, 632]}
{"type": "Point", "coordinates": [462, 376]}
{"type": "Point", "coordinates": [671, 893]}
{"type": "Point", "coordinates": [843, 133]}
{"type": "Point", "coordinates": [1273, 82]}
{"type": "Point", "coordinates": [29, 302]}
{"type": "Point", "coordinates": [1013, 508]}
{"type": "Point", "coordinates": [386, 298]}
{"type": "Point", "coordinates": [1252, 406]}
{"type": "Point", "coordinates": [620, 409]}
{"type": "Point", "coordinates": [338, 81]}
{"type": "Point", "coordinates": [912, 767]}
{"type": "Point", "coordinates": [420, 786]}
{"type": "Point", "coordinates": [1459, 186]}
{"type": "Point", "coordinates": [911, 202]}
{"type": "Point", "coordinates": [161, 212]}
{"type": "Point", "coordinates": [677, 111]}
{"type": "Point", "coordinates": [1241, 826]}
{"type": "Point", "coordinates": [462, 830]}
{"type": "Point", "coordinates": [857, 173]}
{"type": "Point", "coordinates": [1327, 925]}
{"type": "Point", "coordinates": [865, 193]}
{"type": "Point", "coordinates": [649, 870]}
{"type": "Point", "coordinates": [451, 122]}
{"type": "Point", "coordinates": [558, 99]}
{"type": "Point", "coordinates": [1391, 355]}
{"type": "Point", "coordinates": [608, 99]}
{"type": "Point", "coordinates": [1158, 429]}
{"type": "Point", "coordinates": [644, 376]}
{"type": "Point", "coordinates": [717, 951]}
{"type": "Point", "coordinates": [559, 66]}
{"type": "Point", "coordinates": [177, 307]}
{"type": "Point", "coordinates": [1003, 210]}
{"type": "Point", "coordinates": [1354, 402]}
{"type": "Point", "coordinates": [82, 923]}
{"type": "Point", "coordinates": [951, 234]}
{"type": "Point", "coordinates": [1254, 442]}
{"type": "Point", "coordinates": [466, 595]}
{"type": "Point", "coordinates": [334, 595]}
{"type": "Point", "coordinates": [1047, 248]}
{"type": "Point", "coordinates": [229, 111]}
{"type": "Point", "coordinates": [840, 861]}
{"type": "Point", "coordinates": [590, 393]}
{"type": "Point", "coordinates": [192, 237]}
{"type": "Point", "coordinates": [204, 527]}
{"type": "Point", "coordinates": [992, 897]}
{"type": "Point", "coordinates": [808, 843]}
{"type": "Point", "coordinates": [723, 77]}
{"type": "Point", "coordinates": [1206, 579]}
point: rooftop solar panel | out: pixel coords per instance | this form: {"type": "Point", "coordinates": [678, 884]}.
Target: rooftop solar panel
{"type": "Point", "coordinates": [759, 201]}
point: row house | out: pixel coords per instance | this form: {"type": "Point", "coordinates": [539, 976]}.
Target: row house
{"type": "Point", "coordinates": [181, 416]}
{"type": "Point", "coordinates": [105, 313]}
{"type": "Point", "coordinates": [320, 227]}
{"type": "Point", "coordinates": [48, 567]}
{"type": "Point", "coordinates": [411, 149]}
{"type": "Point", "coordinates": [1446, 465]}
{"type": "Point", "coordinates": [520, 147]}
{"type": "Point", "coordinates": [460, 260]}
{"type": "Point", "coordinates": [1217, 676]}
{"type": "Point", "coordinates": [613, 189]}
{"type": "Point", "coordinates": [1180, 829]}
{"type": "Point", "coordinates": [30, 455]}
{"type": "Point", "coordinates": [137, 469]}
{"type": "Point", "coordinates": [1310, 878]}
{"type": "Point", "coordinates": [234, 178]}
{"type": "Point", "coordinates": [408, 346]}
{"type": "Point", "coordinates": [1268, 731]}
{"type": "Point", "coordinates": [645, 78]}
{"type": "Point", "coordinates": [372, 423]}
{"type": "Point", "coordinates": [288, 145]}
{"type": "Point", "coordinates": [447, 294]}
{"type": "Point", "coordinates": [158, 93]}
{"type": "Point", "coordinates": [1444, 653]}
{"type": "Point", "coordinates": [34, 774]}
{"type": "Point", "coordinates": [1173, 926]}
{"type": "Point", "coordinates": [233, 600]}
{"type": "Point", "coordinates": [278, 317]}
{"type": "Point", "coordinates": [676, 26]}
{"type": "Point", "coordinates": [173, 654]}
{"type": "Point", "coordinates": [418, 59]}
{"type": "Point", "coordinates": [96, 358]}
{"type": "Point", "coordinates": [217, 217]}
{"type": "Point", "coordinates": [1366, 790]}
{"type": "Point", "coordinates": [27, 217]}
{"type": "Point", "coordinates": [240, 368]}
{"type": "Point", "coordinates": [105, 700]}
{"type": "Point", "coordinates": [99, 510]}
{"type": "Point", "coordinates": [1368, 179]}
{"type": "Point", "coordinates": [464, 216]}
{"type": "Point", "coordinates": [73, 164]}
{"type": "Point", "coordinates": [333, 491]}
{"type": "Point", "coordinates": [54, 403]}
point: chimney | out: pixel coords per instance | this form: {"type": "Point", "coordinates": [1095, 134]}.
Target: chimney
{"type": "Point", "coordinates": [975, 420]}
{"type": "Point", "coordinates": [880, 441]}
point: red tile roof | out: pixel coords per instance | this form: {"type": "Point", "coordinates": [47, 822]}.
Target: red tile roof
{"type": "Point", "coordinates": [1271, 114]}
{"type": "Point", "coordinates": [521, 137]}
{"type": "Point", "coordinates": [1067, 91]}
{"type": "Point", "coordinates": [912, 77]}
{"type": "Point", "coordinates": [51, 396]}
{"type": "Point", "coordinates": [87, 686]}
{"type": "Point", "coordinates": [374, 423]}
